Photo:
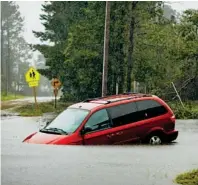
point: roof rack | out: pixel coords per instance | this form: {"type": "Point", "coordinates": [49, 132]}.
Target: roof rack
{"type": "Point", "coordinates": [127, 98]}
{"type": "Point", "coordinates": [128, 93]}
{"type": "Point", "coordinates": [91, 99]}
{"type": "Point", "coordinates": [136, 95]}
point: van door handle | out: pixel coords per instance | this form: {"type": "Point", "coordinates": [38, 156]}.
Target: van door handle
{"type": "Point", "coordinates": [110, 135]}
{"type": "Point", "coordinates": [119, 133]}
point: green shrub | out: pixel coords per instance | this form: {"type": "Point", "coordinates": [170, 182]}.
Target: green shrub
{"type": "Point", "coordinates": [68, 97]}
{"type": "Point", "coordinates": [190, 110]}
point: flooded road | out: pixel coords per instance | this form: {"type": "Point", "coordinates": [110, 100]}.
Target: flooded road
{"type": "Point", "coordinates": [29, 164]}
{"type": "Point", "coordinates": [39, 99]}
{"type": "Point", "coordinates": [6, 106]}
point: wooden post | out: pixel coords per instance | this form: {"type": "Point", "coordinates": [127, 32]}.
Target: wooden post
{"type": "Point", "coordinates": [55, 102]}
{"type": "Point", "coordinates": [55, 95]}
{"type": "Point", "coordinates": [106, 49]}
{"type": "Point", "coordinates": [134, 86]}
{"type": "Point", "coordinates": [34, 93]}
{"type": "Point", "coordinates": [117, 88]}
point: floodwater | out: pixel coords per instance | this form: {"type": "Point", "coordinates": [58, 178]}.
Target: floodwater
{"type": "Point", "coordinates": [30, 164]}
{"type": "Point", "coordinates": [10, 104]}
{"type": "Point", "coordinates": [39, 99]}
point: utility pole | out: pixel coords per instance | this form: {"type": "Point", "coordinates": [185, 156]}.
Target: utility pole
{"type": "Point", "coordinates": [106, 49]}
{"type": "Point", "coordinates": [8, 61]}
{"type": "Point", "coordinates": [2, 55]}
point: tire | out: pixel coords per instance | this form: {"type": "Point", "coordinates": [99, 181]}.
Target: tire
{"type": "Point", "coordinates": [155, 139]}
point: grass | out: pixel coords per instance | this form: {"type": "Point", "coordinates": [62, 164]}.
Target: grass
{"type": "Point", "coordinates": [188, 178]}
{"type": "Point", "coordinates": [44, 107]}
{"type": "Point", "coordinates": [9, 96]}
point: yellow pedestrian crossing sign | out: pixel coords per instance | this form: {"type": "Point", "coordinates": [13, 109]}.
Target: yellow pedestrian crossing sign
{"type": "Point", "coordinates": [32, 75]}
{"type": "Point", "coordinates": [33, 84]}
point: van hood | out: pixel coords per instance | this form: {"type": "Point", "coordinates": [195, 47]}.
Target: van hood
{"type": "Point", "coordinates": [44, 138]}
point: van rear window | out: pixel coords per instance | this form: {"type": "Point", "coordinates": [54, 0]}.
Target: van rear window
{"type": "Point", "coordinates": [135, 111]}
{"type": "Point", "coordinates": [151, 108]}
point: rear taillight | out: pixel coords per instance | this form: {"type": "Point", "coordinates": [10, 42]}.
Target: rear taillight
{"type": "Point", "coordinates": [170, 125]}
{"type": "Point", "coordinates": [173, 118]}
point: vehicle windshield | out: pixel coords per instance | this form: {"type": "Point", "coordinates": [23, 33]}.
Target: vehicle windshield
{"type": "Point", "coordinates": [69, 120]}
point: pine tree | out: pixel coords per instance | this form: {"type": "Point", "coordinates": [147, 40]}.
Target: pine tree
{"type": "Point", "coordinates": [14, 47]}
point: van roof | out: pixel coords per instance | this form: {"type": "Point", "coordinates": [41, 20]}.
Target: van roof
{"type": "Point", "coordinates": [95, 102]}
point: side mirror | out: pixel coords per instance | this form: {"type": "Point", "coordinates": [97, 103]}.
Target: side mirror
{"type": "Point", "coordinates": [85, 130]}
{"type": "Point", "coordinates": [82, 132]}
{"type": "Point", "coordinates": [47, 123]}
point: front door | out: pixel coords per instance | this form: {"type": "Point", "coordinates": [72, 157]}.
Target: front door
{"type": "Point", "coordinates": [97, 129]}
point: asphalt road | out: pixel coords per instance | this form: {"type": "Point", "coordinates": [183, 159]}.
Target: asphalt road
{"type": "Point", "coordinates": [29, 164]}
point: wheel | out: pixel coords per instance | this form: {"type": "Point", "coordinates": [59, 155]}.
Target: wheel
{"type": "Point", "coordinates": [155, 139]}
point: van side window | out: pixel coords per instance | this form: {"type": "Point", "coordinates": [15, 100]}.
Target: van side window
{"type": "Point", "coordinates": [123, 114]}
{"type": "Point", "coordinates": [150, 108]}
{"type": "Point", "coordinates": [98, 121]}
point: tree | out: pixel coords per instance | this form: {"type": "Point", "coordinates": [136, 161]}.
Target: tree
{"type": "Point", "coordinates": [57, 18]}
{"type": "Point", "coordinates": [14, 47]}
{"type": "Point", "coordinates": [188, 30]}
{"type": "Point", "coordinates": [144, 46]}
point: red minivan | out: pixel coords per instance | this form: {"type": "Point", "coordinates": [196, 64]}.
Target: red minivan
{"type": "Point", "coordinates": [118, 119]}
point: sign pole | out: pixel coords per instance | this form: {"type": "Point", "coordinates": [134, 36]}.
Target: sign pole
{"type": "Point", "coordinates": [55, 93]}
{"type": "Point", "coordinates": [34, 93]}
{"type": "Point", "coordinates": [55, 101]}
{"type": "Point", "coordinates": [56, 85]}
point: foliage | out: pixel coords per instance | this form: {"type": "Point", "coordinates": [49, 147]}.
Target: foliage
{"type": "Point", "coordinates": [189, 178]}
{"type": "Point", "coordinates": [190, 110]}
{"type": "Point", "coordinates": [144, 46]}
{"type": "Point", "coordinates": [14, 48]}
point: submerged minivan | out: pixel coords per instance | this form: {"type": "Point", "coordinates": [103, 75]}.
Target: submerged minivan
{"type": "Point", "coordinates": [117, 119]}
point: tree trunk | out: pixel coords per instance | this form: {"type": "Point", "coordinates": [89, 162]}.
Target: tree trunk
{"type": "Point", "coordinates": [106, 49]}
{"type": "Point", "coordinates": [8, 63]}
{"type": "Point", "coordinates": [2, 61]}
{"type": "Point", "coordinates": [132, 6]}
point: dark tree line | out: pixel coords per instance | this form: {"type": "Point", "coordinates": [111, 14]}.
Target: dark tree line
{"type": "Point", "coordinates": [145, 46]}
{"type": "Point", "coordinates": [14, 49]}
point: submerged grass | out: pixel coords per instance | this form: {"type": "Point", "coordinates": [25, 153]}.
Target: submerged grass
{"type": "Point", "coordinates": [9, 96]}
{"type": "Point", "coordinates": [6, 106]}
{"type": "Point", "coordinates": [44, 107]}
{"type": "Point", "coordinates": [188, 178]}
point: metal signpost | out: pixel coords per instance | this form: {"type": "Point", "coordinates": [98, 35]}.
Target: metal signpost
{"type": "Point", "coordinates": [56, 85]}
{"type": "Point", "coordinates": [32, 77]}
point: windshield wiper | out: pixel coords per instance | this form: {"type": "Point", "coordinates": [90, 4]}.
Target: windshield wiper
{"type": "Point", "coordinates": [54, 130]}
